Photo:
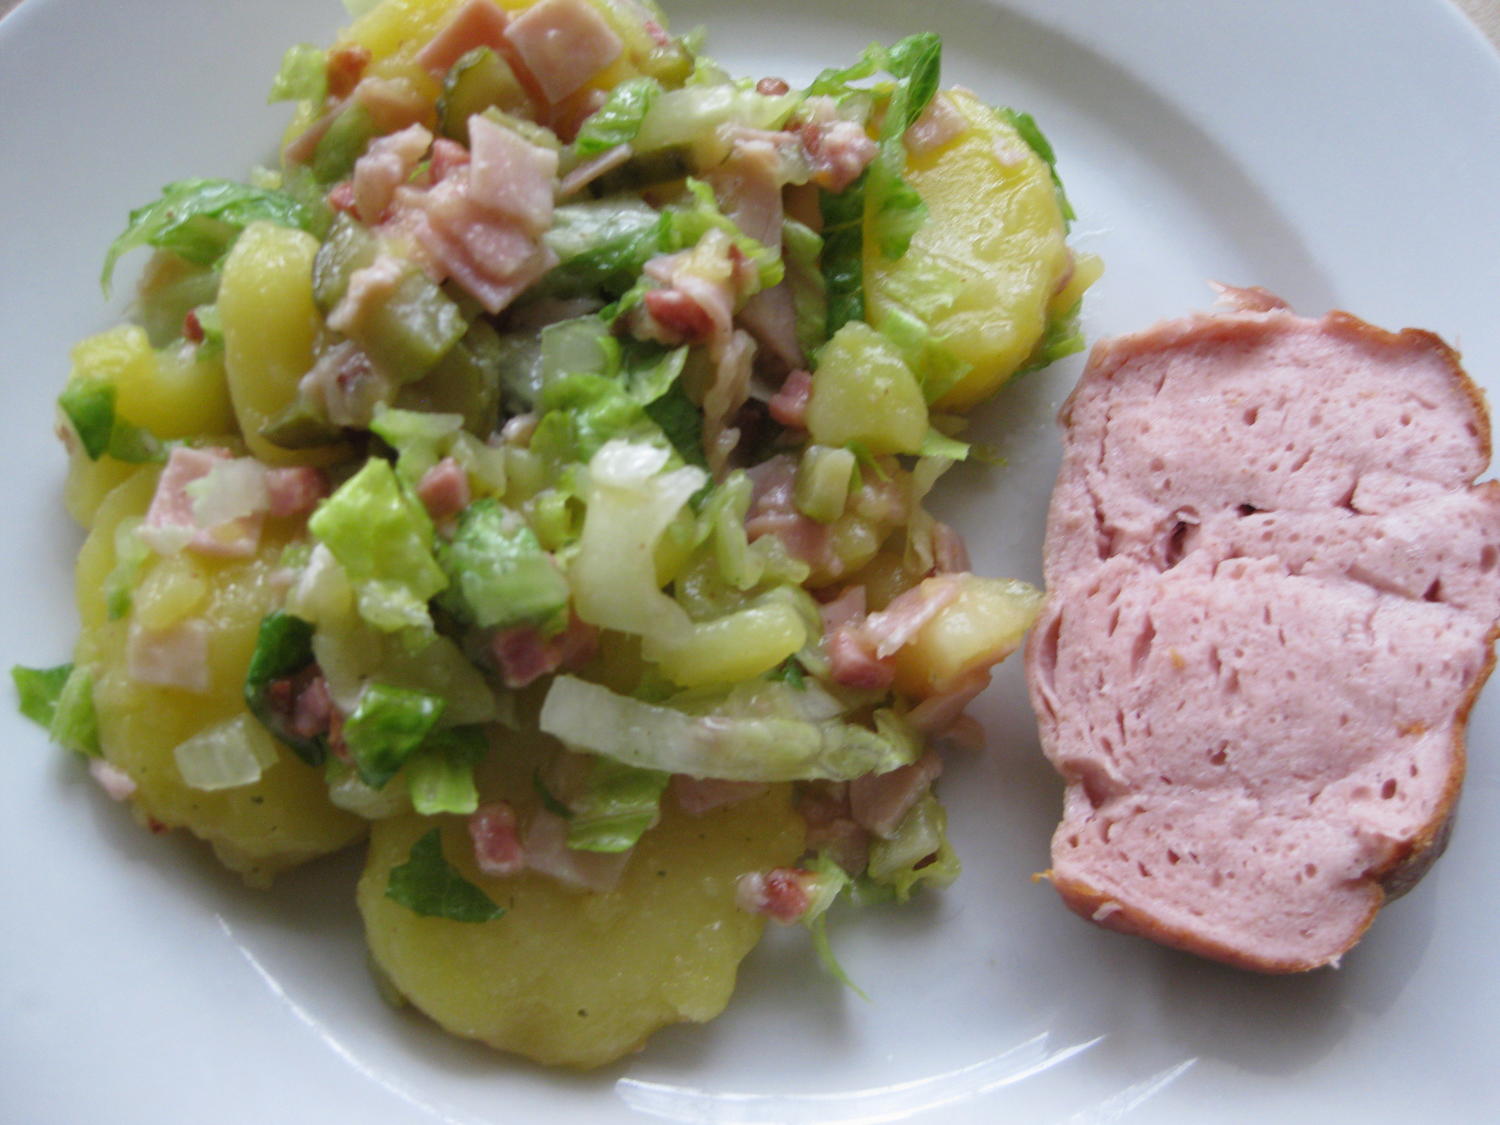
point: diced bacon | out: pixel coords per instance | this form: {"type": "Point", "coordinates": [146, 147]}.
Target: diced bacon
{"type": "Point", "coordinates": [510, 176]}
{"type": "Point", "coordinates": [853, 662]}
{"type": "Point", "coordinates": [880, 801]}
{"type": "Point", "coordinates": [341, 197]}
{"type": "Point", "coordinates": [837, 150]}
{"type": "Point", "coordinates": [937, 714]}
{"type": "Point", "coordinates": [444, 490]}
{"type": "Point", "coordinates": [939, 123]}
{"type": "Point", "coordinates": [448, 157]}
{"type": "Point", "coordinates": [771, 317]}
{"type": "Point", "coordinates": [747, 185]}
{"type": "Point", "coordinates": [949, 554]}
{"type": "Point", "coordinates": [479, 23]}
{"type": "Point", "coordinates": [384, 167]}
{"type": "Point", "coordinates": [370, 287]}
{"type": "Point", "coordinates": [773, 511]}
{"type": "Point", "coordinates": [699, 795]}
{"type": "Point", "coordinates": [727, 392]}
{"type": "Point", "coordinates": [118, 784]}
{"type": "Point", "coordinates": [843, 841]}
{"type": "Point", "coordinates": [782, 894]}
{"type": "Point", "coordinates": [345, 385]}
{"type": "Point", "coordinates": [491, 258]}
{"type": "Point", "coordinates": [295, 490]}
{"type": "Point", "coordinates": [845, 609]}
{"type": "Point", "coordinates": [789, 405]}
{"type": "Point", "coordinates": [590, 170]}
{"type": "Point", "coordinates": [824, 807]}
{"type": "Point", "coordinates": [682, 319]}
{"type": "Point", "coordinates": [564, 43]}
{"type": "Point", "coordinates": [301, 703]}
{"type": "Point", "coordinates": [175, 657]}
{"type": "Point", "coordinates": [312, 709]}
{"type": "Point", "coordinates": [772, 87]}
{"type": "Point", "coordinates": [524, 654]}
{"type": "Point", "coordinates": [545, 843]}
{"type": "Point", "coordinates": [903, 618]}
{"type": "Point", "coordinates": [346, 66]}
{"type": "Point", "coordinates": [192, 327]}
{"type": "Point", "coordinates": [171, 520]}
{"type": "Point", "coordinates": [497, 843]}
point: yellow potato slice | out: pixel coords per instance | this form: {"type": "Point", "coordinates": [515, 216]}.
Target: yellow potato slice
{"type": "Point", "coordinates": [994, 242]}
{"type": "Point", "coordinates": [271, 325]}
{"type": "Point", "coordinates": [259, 829]}
{"type": "Point", "coordinates": [575, 979]}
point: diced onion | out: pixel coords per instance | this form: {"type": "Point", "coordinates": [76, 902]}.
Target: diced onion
{"type": "Point", "coordinates": [226, 756]}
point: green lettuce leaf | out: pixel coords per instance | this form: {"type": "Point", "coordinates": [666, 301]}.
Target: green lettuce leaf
{"type": "Point", "coordinates": [38, 690]}
{"type": "Point", "coordinates": [762, 740]}
{"type": "Point", "coordinates": [383, 538]}
{"type": "Point", "coordinates": [844, 253]}
{"type": "Point", "coordinates": [498, 573]}
{"type": "Point", "coordinates": [618, 803]}
{"type": "Point", "coordinates": [619, 119]}
{"type": "Point", "coordinates": [427, 884]}
{"type": "Point", "coordinates": [917, 852]}
{"type": "Point", "coordinates": [200, 219]}
{"type": "Point", "coordinates": [89, 405]}
{"type": "Point", "coordinates": [386, 729]}
{"type": "Point", "coordinates": [1036, 140]}
{"type": "Point", "coordinates": [303, 75]}
{"type": "Point", "coordinates": [440, 775]}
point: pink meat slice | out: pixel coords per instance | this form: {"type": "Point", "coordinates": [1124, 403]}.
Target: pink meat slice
{"type": "Point", "coordinates": [1272, 599]}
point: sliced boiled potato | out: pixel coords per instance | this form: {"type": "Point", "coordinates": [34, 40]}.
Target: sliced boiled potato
{"type": "Point", "coordinates": [980, 627]}
{"type": "Point", "coordinates": [271, 324]}
{"type": "Point", "coordinates": [280, 820]}
{"type": "Point", "coordinates": [576, 979]}
{"type": "Point", "coordinates": [173, 393]}
{"type": "Point", "coordinates": [398, 29]}
{"type": "Point", "coordinates": [983, 268]}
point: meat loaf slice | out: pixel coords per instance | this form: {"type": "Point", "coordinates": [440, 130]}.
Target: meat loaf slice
{"type": "Point", "coordinates": [1272, 598]}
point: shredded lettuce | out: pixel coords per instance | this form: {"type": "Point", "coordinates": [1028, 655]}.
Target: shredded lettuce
{"type": "Point", "coordinates": [619, 119]}
{"type": "Point", "coordinates": [386, 729]}
{"type": "Point", "coordinates": [420, 439]}
{"type": "Point", "coordinates": [38, 690]}
{"type": "Point", "coordinates": [630, 502]}
{"type": "Point", "coordinates": [499, 575]}
{"type": "Point", "coordinates": [89, 405]}
{"type": "Point", "coordinates": [75, 726]}
{"type": "Point", "coordinates": [601, 247]}
{"type": "Point", "coordinates": [383, 538]}
{"type": "Point", "coordinates": [801, 248]}
{"type": "Point", "coordinates": [718, 740]}
{"type": "Point", "coordinates": [440, 775]}
{"type": "Point", "coordinates": [303, 75]}
{"type": "Point", "coordinates": [1036, 140]}
{"type": "Point", "coordinates": [843, 253]}
{"type": "Point", "coordinates": [427, 884]}
{"type": "Point", "coordinates": [200, 219]}
{"type": "Point", "coordinates": [616, 805]}
{"type": "Point", "coordinates": [1063, 337]}
{"type": "Point", "coordinates": [828, 882]}
{"type": "Point", "coordinates": [917, 852]}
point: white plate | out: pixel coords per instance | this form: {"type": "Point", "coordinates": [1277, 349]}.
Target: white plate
{"type": "Point", "coordinates": [1339, 154]}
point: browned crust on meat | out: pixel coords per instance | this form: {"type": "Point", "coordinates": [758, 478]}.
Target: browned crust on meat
{"type": "Point", "coordinates": [1417, 856]}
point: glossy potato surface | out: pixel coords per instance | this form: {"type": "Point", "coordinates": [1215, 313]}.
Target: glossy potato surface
{"type": "Point", "coordinates": [271, 325]}
{"type": "Point", "coordinates": [995, 231]}
{"type": "Point", "coordinates": [259, 829]}
{"type": "Point", "coordinates": [576, 979]}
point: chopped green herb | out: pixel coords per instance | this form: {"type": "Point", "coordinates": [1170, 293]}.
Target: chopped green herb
{"type": "Point", "coordinates": [427, 884]}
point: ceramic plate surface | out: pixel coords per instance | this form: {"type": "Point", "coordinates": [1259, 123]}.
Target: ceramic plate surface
{"type": "Point", "coordinates": [1341, 155]}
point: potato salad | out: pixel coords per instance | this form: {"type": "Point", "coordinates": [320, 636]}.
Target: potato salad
{"type": "Point", "coordinates": [524, 481]}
